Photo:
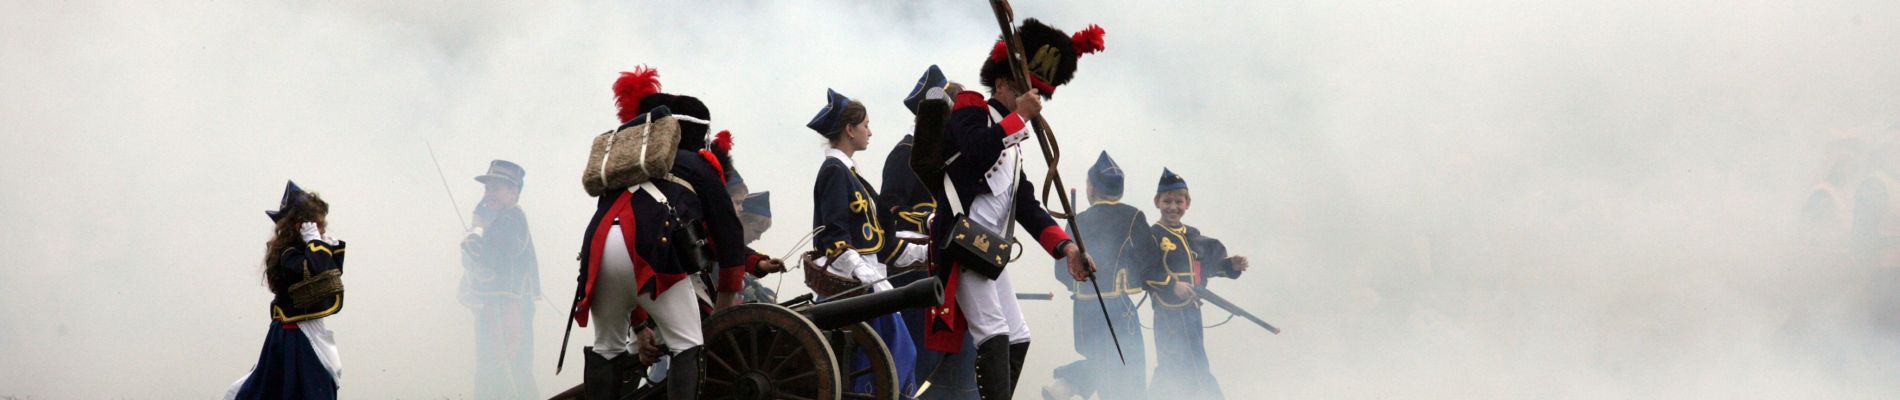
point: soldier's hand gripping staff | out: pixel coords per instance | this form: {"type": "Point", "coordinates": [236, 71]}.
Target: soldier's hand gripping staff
{"type": "Point", "coordinates": [663, 214]}
{"type": "Point", "coordinates": [988, 194]}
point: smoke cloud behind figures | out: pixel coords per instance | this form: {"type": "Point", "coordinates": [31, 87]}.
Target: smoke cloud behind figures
{"type": "Point", "coordinates": [1441, 198]}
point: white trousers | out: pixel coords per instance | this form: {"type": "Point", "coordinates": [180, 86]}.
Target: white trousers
{"type": "Point", "coordinates": [676, 311]}
{"type": "Point", "coordinates": [990, 307]}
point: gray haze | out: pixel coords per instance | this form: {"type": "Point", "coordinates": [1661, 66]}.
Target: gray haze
{"type": "Point", "coordinates": [1442, 198]}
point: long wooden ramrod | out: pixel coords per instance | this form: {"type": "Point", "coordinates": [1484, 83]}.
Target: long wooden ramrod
{"type": "Point", "coordinates": [1051, 154]}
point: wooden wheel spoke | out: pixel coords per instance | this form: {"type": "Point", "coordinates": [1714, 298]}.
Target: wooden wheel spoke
{"type": "Point", "coordinates": [858, 373]}
{"type": "Point", "coordinates": [788, 360]}
{"type": "Point", "coordinates": [714, 355]}
{"type": "Point", "coordinates": [808, 373]}
{"type": "Point", "coordinates": [738, 352]}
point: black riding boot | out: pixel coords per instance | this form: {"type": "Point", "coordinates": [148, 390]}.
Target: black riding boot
{"type": "Point", "coordinates": [1018, 352]}
{"type": "Point", "coordinates": [993, 381]}
{"type": "Point", "coordinates": [601, 378]}
{"type": "Point", "coordinates": [682, 377]}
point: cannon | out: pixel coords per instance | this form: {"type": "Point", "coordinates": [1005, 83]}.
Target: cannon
{"type": "Point", "coordinates": [802, 349]}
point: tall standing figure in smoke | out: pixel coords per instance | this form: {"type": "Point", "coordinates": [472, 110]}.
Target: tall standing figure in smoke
{"type": "Point", "coordinates": [304, 268]}
{"type": "Point", "coordinates": [1188, 259]}
{"type": "Point", "coordinates": [500, 283]}
{"type": "Point", "coordinates": [855, 239]}
{"type": "Point", "coordinates": [641, 245]}
{"type": "Point", "coordinates": [1125, 246]}
{"type": "Point", "coordinates": [987, 187]}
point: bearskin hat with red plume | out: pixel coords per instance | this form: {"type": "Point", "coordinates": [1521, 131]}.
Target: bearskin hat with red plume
{"type": "Point", "coordinates": [638, 91]}
{"type": "Point", "coordinates": [1051, 55]}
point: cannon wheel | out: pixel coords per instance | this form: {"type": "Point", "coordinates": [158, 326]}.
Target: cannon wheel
{"type": "Point", "coordinates": [765, 351]}
{"type": "Point", "coordinates": [882, 368]}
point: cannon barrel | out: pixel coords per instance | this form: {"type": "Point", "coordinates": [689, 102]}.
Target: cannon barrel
{"type": "Point", "coordinates": [836, 314]}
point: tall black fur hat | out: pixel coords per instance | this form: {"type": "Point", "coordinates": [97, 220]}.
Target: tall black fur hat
{"type": "Point", "coordinates": [1051, 55]}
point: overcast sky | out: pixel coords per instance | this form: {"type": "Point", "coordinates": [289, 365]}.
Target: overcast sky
{"type": "Point", "coordinates": [1441, 198]}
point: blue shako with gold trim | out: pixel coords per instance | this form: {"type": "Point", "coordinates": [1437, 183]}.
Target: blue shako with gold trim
{"type": "Point", "coordinates": [307, 280]}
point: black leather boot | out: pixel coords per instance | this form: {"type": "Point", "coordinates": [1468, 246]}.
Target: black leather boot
{"type": "Point", "coordinates": [1018, 353]}
{"type": "Point", "coordinates": [993, 380]}
{"type": "Point", "coordinates": [682, 376]}
{"type": "Point", "coordinates": [600, 378]}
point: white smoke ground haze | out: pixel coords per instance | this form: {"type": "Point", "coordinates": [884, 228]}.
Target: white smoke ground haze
{"type": "Point", "coordinates": [1442, 199]}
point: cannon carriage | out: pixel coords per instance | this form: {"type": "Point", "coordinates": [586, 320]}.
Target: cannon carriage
{"type": "Point", "coordinates": [801, 349]}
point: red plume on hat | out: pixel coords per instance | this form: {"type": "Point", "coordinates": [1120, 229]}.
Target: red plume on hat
{"type": "Point", "coordinates": [722, 142]}
{"type": "Point", "coordinates": [633, 86]}
{"type": "Point", "coordinates": [1088, 41]}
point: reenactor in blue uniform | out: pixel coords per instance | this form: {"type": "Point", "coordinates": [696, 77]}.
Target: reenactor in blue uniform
{"type": "Point", "coordinates": [304, 268]}
{"type": "Point", "coordinates": [631, 269]}
{"type": "Point", "coordinates": [911, 204]}
{"type": "Point", "coordinates": [987, 189]}
{"type": "Point", "coordinates": [855, 237]}
{"type": "Point", "coordinates": [1123, 246]}
{"type": "Point", "coordinates": [1188, 260]}
{"type": "Point", "coordinates": [500, 282]}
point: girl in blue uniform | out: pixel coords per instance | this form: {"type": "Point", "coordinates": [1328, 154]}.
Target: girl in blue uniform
{"type": "Point", "coordinates": [854, 238]}
{"type": "Point", "coordinates": [304, 268]}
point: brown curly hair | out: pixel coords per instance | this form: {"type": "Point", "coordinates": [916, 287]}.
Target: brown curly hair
{"type": "Point", "coordinates": [310, 208]}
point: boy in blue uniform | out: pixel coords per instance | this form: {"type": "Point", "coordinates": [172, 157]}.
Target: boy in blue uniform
{"type": "Point", "coordinates": [1123, 245]}
{"type": "Point", "coordinates": [1188, 259]}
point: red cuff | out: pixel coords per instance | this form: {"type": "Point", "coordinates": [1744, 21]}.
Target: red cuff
{"type": "Point", "coordinates": [752, 265]}
{"type": "Point", "coordinates": [731, 279]}
{"type": "Point", "coordinates": [1050, 237]}
{"type": "Point", "coordinates": [1013, 124]}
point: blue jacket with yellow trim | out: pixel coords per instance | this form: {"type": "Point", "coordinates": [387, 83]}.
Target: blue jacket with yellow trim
{"type": "Point", "coordinates": [846, 206]}
{"type": "Point", "coordinates": [296, 264]}
{"type": "Point", "coordinates": [1120, 241]}
{"type": "Point", "coordinates": [904, 194]}
{"type": "Point", "coordinates": [1181, 250]}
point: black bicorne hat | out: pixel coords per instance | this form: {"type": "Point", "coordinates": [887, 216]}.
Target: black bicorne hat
{"type": "Point", "coordinates": [293, 196]}
{"type": "Point", "coordinates": [1051, 55]}
{"type": "Point", "coordinates": [831, 118]}
{"type": "Point", "coordinates": [933, 78]}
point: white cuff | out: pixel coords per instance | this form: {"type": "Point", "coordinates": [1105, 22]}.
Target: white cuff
{"type": "Point", "coordinates": [911, 254]}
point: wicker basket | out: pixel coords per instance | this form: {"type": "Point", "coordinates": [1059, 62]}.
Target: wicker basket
{"type": "Point", "coordinates": [821, 281]}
